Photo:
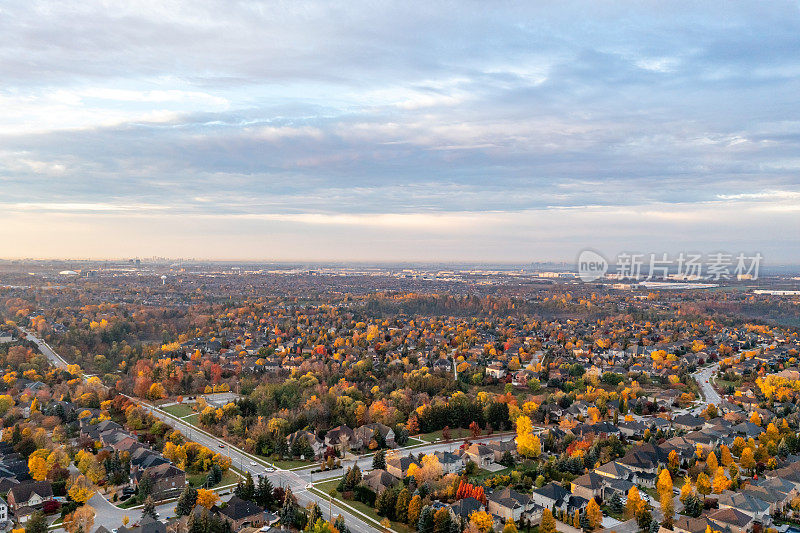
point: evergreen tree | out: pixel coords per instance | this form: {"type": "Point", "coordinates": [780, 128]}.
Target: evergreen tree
{"type": "Point", "coordinates": [263, 496]}
{"type": "Point", "coordinates": [288, 513]}
{"type": "Point", "coordinates": [379, 461]}
{"type": "Point", "coordinates": [37, 523]}
{"type": "Point", "coordinates": [616, 504]}
{"type": "Point", "coordinates": [149, 508]}
{"type": "Point", "coordinates": [425, 522]}
{"type": "Point", "coordinates": [340, 525]}
{"type": "Point", "coordinates": [693, 506]}
{"type": "Point", "coordinates": [385, 503]}
{"type": "Point", "coordinates": [144, 488]}
{"type": "Point", "coordinates": [186, 501]}
{"type": "Point", "coordinates": [249, 491]}
{"type": "Point", "coordinates": [644, 519]}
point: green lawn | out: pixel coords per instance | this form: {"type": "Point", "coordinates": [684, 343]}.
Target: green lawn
{"type": "Point", "coordinates": [326, 486]}
{"type": "Point", "coordinates": [290, 463]}
{"type": "Point", "coordinates": [457, 433]}
{"type": "Point", "coordinates": [180, 410]}
{"type": "Point", "coordinates": [127, 504]}
{"type": "Point", "coordinates": [192, 421]}
{"type": "Point", "coordinates": [228, 477]}
{"type": "Point", "coordinates": [607, 510]}
{"type": "Point", "coordinates": [482, 474]}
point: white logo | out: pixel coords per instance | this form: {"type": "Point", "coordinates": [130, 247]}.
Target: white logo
{"type": "Point", "coordinates": [591, 265]}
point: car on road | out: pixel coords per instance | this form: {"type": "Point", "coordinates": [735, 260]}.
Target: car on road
{"type": "Point", "coordinates": [253, 463]}
{"type": "Point", "coordinates": [221, 445]}
{"type": "Point", "coordinates": [269, 469]}
{"type": "Point", "coordinates": [308, 486]}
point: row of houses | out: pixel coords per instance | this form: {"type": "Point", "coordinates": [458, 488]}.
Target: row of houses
{"type": "Point", "coordinates": [167, 479]}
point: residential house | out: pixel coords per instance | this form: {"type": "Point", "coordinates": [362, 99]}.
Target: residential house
{"type": "Point", "coordinates": [731, 520]}
{"type": "Point", "coordinates": [480, 454]}
{"type": "Point", "coordinates": [451, 463]}
{"type": "Point", "coordinates": [465, 507]}
{"type": "Point", "coordinates": [588, 486]}
{"type": "Point", "coordinates": [342, 438]}
{"type": "Point", "coordinates": [398, 466]}
{"type": "Point", "coordinates": [752, 506]}
{"type": "Point", "coordinates": [168, 480]}
{"type": "Point", "coordinates": [29, 494]}
{"type": "Point", "coordinates": [500, 448]}
{"type": "Point", "coordinates": [508, 503]}
{"type": "Point", "coordinates": [375, 432]}
{"type": "Point", "coordinates": [688, 422]}
{"type": "Point", "coordinates": [241, 512]}
{"type": "Point", "coordinates": [550, 496]}
{"type": "Point", "coordinates": [317, 445]}
{"type": "Point", "coordinates": [380, 480]}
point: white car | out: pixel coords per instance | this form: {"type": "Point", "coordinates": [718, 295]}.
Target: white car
{"type": "Point", "coordinates": [253, 463]}
{"type": "Point", "coordinates": [269, 469]}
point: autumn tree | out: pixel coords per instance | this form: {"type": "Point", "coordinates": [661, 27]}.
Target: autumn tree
{"type": "Point", "coordinates": [482, 521]}
{"type": "Point", "coordinates": [37, 465]}
{"type": "Point", "coordinates": [401, 505]}
{"type": "Point", "coordinates": [548, 523]}
{"type": "Point", "coordinates": [594, 514]}
{"type": "Point", "coordinates": [207, 498]}
{"type": "Point", "coordinates": [81, 490]}
{"type": "Point", "coordinates": [81, 519]}
{"type": "Point", "coordinates": [721, 483]}
{"type": "Point", "coordinates": [664, 483]}
{"type": "Point", "coordinates": [703, 484]}
{"type": "Point", "coordinates": [510, 526]}
{"type": "Point", "coordinates": [711, 463]}
{"type": "Point", "coordinates": [725, 456]}
{"type": "Point", "coordinates": [634, 505]}
{"type": "Point", "coordinates": [414, 509]}
{"type": "Point", "coordinates": [528, 444]}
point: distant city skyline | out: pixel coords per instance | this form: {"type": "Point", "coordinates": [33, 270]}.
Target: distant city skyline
{"type": "Point", "coordinates": [382, 131]}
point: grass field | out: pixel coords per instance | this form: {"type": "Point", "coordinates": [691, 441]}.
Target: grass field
{"type": "Point", "coordinates": [228, 478]}
{"type": "Point", "coordinates": [484, 474]}
{"type": "Point", "coordinates": [180, 410]}
{"type": "Point", "coordinates": [289, 463]}
{"type": "Point", "coordinates": [326, 487]}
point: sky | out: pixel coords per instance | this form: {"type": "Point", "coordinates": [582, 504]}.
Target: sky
{"type": "Point", "coordinates": [430, 131]}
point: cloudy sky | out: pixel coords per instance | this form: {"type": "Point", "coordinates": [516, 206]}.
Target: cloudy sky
{"type": "Point", "coordinates": [408, 130]}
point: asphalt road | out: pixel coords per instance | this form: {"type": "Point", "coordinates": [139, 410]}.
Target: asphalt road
{"type": "Point", "coordinates": [110, 516]}
{"type": "Point", "coordinates": [299, 481]}
{"type": "Point", "coordinates": [703, 378]}
{"type": "Point", "coordinates": [45, 348]}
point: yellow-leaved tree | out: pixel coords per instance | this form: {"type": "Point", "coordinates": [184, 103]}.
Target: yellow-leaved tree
{"type": "Point", "coordinates": [594, 514]}
{"type": "Point", "coordinates": [528, 444]}
{"type": "Point", "coordinates": [548, 524]}
{"type": "Point", "coordinates": [482, 521]}
{"type": "Point", "coordinates": [81, 490]}
{"type": "Point", "coordinates": [207, 498]}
